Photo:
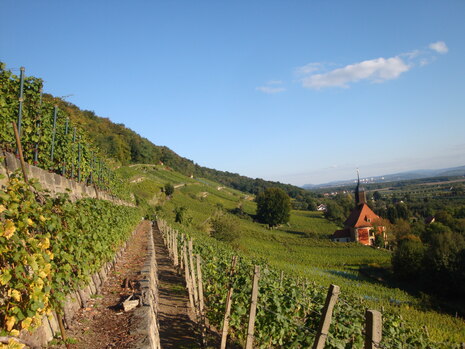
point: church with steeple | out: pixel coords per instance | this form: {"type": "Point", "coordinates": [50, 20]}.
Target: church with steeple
{"type": "Point", "coordinates": [361, 225]}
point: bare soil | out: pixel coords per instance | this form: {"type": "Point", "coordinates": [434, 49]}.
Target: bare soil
{"type": "Point", "coordinates": [177, 325]}
{"type": "Point", "coordinates": [103, 323]}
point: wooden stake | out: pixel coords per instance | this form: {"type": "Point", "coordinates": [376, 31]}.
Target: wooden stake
{"type": "Point", "coordinates": [373, 329]}
{"type": "Point", "coordinates": [201, 302]}
{"type": "Point", "coordinates": [187, 277]}
{"type": "Point", "coordinates": [193, 278]}
{"type": "Point", "coordinates": [181, 246]}
{"type": "Point", "coordinates": [62, 330]}
{"type": "Point", "coordinates": [253, 308]}
{"type": "Point", "coordinates": [20, 151]}
{"type": "Point", "coordinates": [175, 248]}
{"type": "Point", "coordinates": [224, 336]}
{"type": "Point", "coordinates": [326, 316]}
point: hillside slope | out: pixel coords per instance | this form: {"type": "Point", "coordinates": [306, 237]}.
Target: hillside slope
{"type": "Point", "coordinates": [127, 147]}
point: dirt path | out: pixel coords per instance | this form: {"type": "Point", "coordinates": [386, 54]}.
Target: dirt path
{"type": "Point", "coordinates": [177, 330]}
{"type": "Point", "coordinates": [102, 323]}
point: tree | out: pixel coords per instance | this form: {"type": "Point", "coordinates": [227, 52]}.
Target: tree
{"type": "Point", "coordinates": [169, 189]}
{"type": "Point", "coordinates": [273, 207]}
{"type": "Point", "coordinates": [334, 212]}
{"type": "Point", "coordinates": [407, 260]}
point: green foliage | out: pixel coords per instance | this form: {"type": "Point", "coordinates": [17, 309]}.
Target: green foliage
{"type": "Point", "coordinates": [74, 156]}
{"type": "Point", "coordinates": [224, 227]}
{"type": "Point", "coordinates": [289, 311]}
{"type": "Point", "coordinates": [334, 212]}
{"type": "Point", "coordinates": [50, 246]}
{"type": "Point", "coordinates": [273, 207]}
{"type": "Point", "coordinates": [408, 258]}
{"type": "Point", "coordinates": [182, 215]}
{"type": "Point", "coordinates": [169, 189]}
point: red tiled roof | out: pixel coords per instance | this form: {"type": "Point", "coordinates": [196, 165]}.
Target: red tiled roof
{"type": "Point", "coordinates": [343, 233]}
{"type": "Point", "coordinates": [361, 216]}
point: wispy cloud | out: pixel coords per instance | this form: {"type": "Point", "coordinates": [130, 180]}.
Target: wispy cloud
{"type": "Point", "coordinates": [270, 90]}
{"type": "Point", "coordinates": [439, 47]}
{"type": "Point", "coordinates": [308, 68]}
{"type": "Point", "coordinates": [271, 87]}
{"type": "Point", "coordinates": [375, 70]}
{"type": "Point", "coordinates": [314, 76]}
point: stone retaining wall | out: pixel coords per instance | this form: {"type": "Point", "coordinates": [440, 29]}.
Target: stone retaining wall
{"type": "Point", "coordinates": [52, 182]}
{"type": "Point", "coordinates": [144, 320]}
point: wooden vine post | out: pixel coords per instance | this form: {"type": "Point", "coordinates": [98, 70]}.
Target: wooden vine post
{"type": "Point", "coordinates": [181, 262]}
{"type": "Point", "coordinates": [187, 277]}
{"type": "Point", "coordinates": [193, 278]}
{"type": "Point", "coordinates": [224, 336]}
{"type": "Point", "coordinates": [201, 301]}
{"type": "Point", "coordinates": [373, 329]}
{"type": "Point", "coordinates": [20, 152]}
{"type": "Point", "coordinates": [326, 316]}
{"type": "Point", "coordinates": [253, 308]}
{"type": "Point", "coordinates": [175, 248]}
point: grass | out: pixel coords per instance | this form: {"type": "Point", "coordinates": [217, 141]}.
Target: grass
{"type": "Point", "coordinates": [300, 248]}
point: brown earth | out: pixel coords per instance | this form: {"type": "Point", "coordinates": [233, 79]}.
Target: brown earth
{"type": "Point", "coordinates": [177, 325]}
{"type": "Point", "coordinates": [104, 324]}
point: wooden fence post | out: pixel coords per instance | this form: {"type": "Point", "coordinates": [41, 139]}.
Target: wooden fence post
{"type": "Point", "coordinates": [326, 316]}
{"type": "Point", "coordinates": [175, 250]}
{"type": "Point", "coordinates": [227, 312]}
{"type": "Point", "coordinates": [253, 308]}
{"type": "Point", "coordinates": [281, 277]}
{"type": "Point", "coordinates": [201, 302]}
{"type": "Point", "coordinates": [373, 329]}
{"type": "Point", "coordinates": [180, 247]}
{"type": "Point", "coordinates": [187, 276]}
{"type": "Point", "coordinates": [193, 278]}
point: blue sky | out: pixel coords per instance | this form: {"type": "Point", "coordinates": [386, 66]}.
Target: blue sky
{"type": "Point", "coordinates": [295, 91]}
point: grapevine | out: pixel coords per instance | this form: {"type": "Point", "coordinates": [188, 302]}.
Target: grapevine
{"type": "Point", "coordinates": [49, 247]}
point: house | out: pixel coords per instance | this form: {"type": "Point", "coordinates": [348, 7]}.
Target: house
{"type": "Point", "coordinates": [361, 225]}
{"type": "Point", "coordinates": [321, 207]}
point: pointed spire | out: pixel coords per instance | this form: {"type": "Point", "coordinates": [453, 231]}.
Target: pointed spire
{"type": "Point", "coordinates": [360, 197]}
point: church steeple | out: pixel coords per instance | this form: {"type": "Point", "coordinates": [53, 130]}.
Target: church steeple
{"type": "Point", "coordinates": [360, 197]}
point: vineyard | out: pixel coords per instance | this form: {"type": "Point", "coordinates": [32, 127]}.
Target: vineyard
{"type": "Point", "coordinates": [48, 138]}
{"type": "Point", "coordinates": [288, 309]}
{"type": "Point", "coordinates": [49, 247]}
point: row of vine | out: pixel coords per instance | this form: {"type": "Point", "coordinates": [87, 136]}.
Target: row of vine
{"type": "Point", "coordinates": [289, 309]}
{"type": "Point", "coordinates": [50, 142]}
{"type": "Point", "coordinates": [50, 246]}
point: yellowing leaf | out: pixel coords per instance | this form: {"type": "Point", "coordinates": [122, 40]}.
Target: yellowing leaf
{"type": "Point", "coordinates": [29, 221]}
{"type": "Point", "coordinates": [15, 294]}
{"type": "Point", "coordinates": [2, 208]}
{"type": "Point", "coordinates": [42, 218]}
{"type": "Point", "coordinates": [13, 344]}
{"type": "Point", "coordinates": [9, 229]}
{"type": "Point", "coordinates": [14, 333]}
{"type": "Point", "coordinates": [10, 322]}
{"type": "Point", "coordinates": [45, 243]}
{"type": "Point", "coordinates": [26, 323]}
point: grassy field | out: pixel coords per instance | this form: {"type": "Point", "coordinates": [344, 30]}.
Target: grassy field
{"type": "Point", "coordinates": [300, 248]}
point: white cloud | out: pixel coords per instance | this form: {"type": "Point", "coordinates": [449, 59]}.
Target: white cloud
{"type": "Point", "coordinates": [270, 90]}
{"type": "Point", "coordinates": [375, 70]}
{"type": "Point", "coordinates": [308, 68]}
{"type": "Point", "coordinates": [274, 82]}
{"type": "Point", "coordinates": [439, 47]}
